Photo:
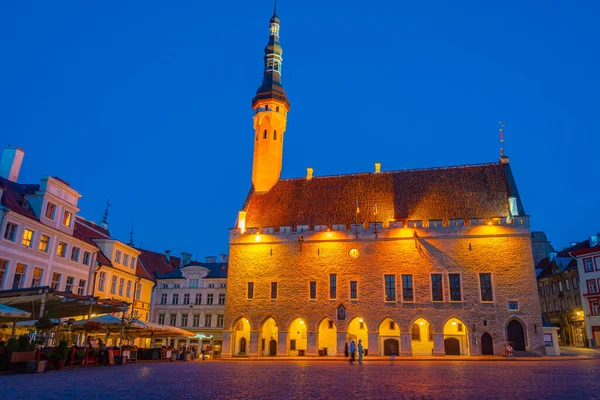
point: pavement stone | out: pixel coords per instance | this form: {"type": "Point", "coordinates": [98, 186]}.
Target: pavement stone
{"type": "Point", "coordinates": [304, 379]}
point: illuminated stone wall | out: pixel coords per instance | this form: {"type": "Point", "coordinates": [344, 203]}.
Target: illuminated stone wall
{"type": "Point", "coordinates": [293, 259]}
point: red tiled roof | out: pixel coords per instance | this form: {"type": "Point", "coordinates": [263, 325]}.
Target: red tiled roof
{"type": "Point", "coordinates": [582, 252]}
{"type": "Point", "coordinates": [14, 197]}
{"type": "Point", "coordinates": [156, 263]}
{"type": "Point", "coordinates": [471, 191]}
{"type": "Point", "coordinates": [86, 231]}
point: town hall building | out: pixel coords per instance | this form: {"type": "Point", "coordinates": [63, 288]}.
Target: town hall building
{"type": "Point", "coordinates": [433, 261]}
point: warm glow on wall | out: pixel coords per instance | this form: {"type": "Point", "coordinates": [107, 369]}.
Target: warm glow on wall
{"type": "Point", "coordinates": [242, 221]}
{"type": "Point", "coordinates": [257, 238]}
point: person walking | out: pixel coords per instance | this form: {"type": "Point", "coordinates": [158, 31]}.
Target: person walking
{"type": "Point", "coordinates": [361, 351]}
{"type": "Point", "coordinates": [352, 352]}
{"type": "Point", "coordinates": [346, 350]}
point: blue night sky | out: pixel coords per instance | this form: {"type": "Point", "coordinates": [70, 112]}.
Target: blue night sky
{"type": "Point", "coordinates": [147, 103]}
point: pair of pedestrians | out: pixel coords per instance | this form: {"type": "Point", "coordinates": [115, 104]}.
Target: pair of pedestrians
{"type": "Point", "coordinates": [353, 349]}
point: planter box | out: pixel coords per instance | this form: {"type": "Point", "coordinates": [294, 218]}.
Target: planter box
{"type": "Point", "coordinates": [22, 356]}
{"type": "Point", "coordinates": [36, 366]}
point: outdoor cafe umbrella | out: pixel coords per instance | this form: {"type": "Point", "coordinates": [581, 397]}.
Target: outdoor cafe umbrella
{"type": "Point", "coordinates": [10, 314]}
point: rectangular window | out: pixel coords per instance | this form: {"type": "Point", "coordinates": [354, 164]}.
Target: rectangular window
{"type": "Point", "coordinates": [353, 290]}
{"type": "Point", "coordinates": [208, 320]}
{"type": "Point", "coordinates": [121, 286]}
{"type": "Point", "coordinates": [101, 281]}
{"type": "Point", "coordinates": [113, 285]}
{"type": "Point", "coordinates": [28, 236]}
{"type": "Point", "coordinates": [485, 283]}
{"type": "Point", "coordinates": [332, 286]}
{"type": "Point", "coordinates": [563, 305]}
{"type": "Point", "coordinates": [184, 320]}
{"type": "Point", "coordinates": [163, 298]}
{"type": "Point", "coordinates": [455, 289]}
{"type": "Point", "coordinates": [173, 319]}
{"type": "Point", "coordinates": [209, 299]}
{"type": "Point", "coordinates": [19, 277]}
{"type": "Point", "coordinates": [69, 284]}
{"type": "Point", "coordinates": [75, 254]}
{"type": "Point", "coordinates": [437, 293]}
{"type": "Point", "coordinates": [161, 319]}
{"type": "Point", "coordinates": [592, 286]}
{"type": "Point", "coordinates": [67, 218]}
{"type": "Point", "coordinates": [588, 264]}
{"type": "Point", "coordinates": [86, 257]}
{"type": "Point", "coordinates": [118, 256]}
{"type": "Point", "coordinates": [220, 319]}
{"type": "Point", "coordinates": [198, 299]}
{"type": "Point", "coordinates": [44, 243]}
{"type": "Point", "coordinates": [513, 306]}
{"type": "Point", "coordinates": [273, 290]}
{"type": "Point", "coordinates": [595, 307]}
{"type": "Point", "coordinates": [567, 285]}
{"type": "Point", "coordinates": [407, 288]}
{"type": "Point", "coordinates": [50, 210]}
{"type": "Point", "coordinates": [138, 291]}
{"type": "Point", "coordinates": [312, 290]}
{"type": "Point", "coordinates": [575, 283]}
{"type": "Point", "coordinates": [196, 320]}
{"type": "Point", "coordinates": [186, 298]}
{"type": "Point", "coordinates": [133, 264]}
{"type": "Point", "coordinates": [175, 299]}
{"type": "Point", "coordinates": [126, 260]}
{"type": "Point", "coordinates": [128, 292]}
{"type": "Point", "coordinates": [81, 287]}
{"type": "Point", "coordinates": [549, 307]}
{"type": "Point", "coordinates": [10, 232]}
{"type": "Point", "coordinates": [3, 268]}
{"type": "Point", "coordinates": [55, 283]}
{"type": "Point", "coordinates": [61, 249]}
{"type": "Point", "coordinates": [193, 283]}
{"type": "Point", "coordinates": [577, 301]}
{"type": "Point", "coordinates": [560, 287]}
{"type": "Point", "coordinates": [221, 298]}
{"type": "Point", "coordinates": [36, 279]}
{"type": "Point", "coordinates": [390, 287]}
{"type": "Point", "coordinates": [547, 290]}
{"type": "Point", "coordinates": [554, 287]}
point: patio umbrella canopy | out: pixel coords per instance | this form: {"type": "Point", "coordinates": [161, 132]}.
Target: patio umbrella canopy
{"type": "Point", "coordinates": [110, 321]}
{"type": "Point", "coordinates": [10, 314]}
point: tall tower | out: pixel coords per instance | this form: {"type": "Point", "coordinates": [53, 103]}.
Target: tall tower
{"type": "Point", "coordinates": [270, 114]}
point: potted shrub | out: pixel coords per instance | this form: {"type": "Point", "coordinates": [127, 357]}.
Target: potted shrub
{"type": "Point", "coordinates": [61, 352]}
{"type": "Point", "coordinates": [21, 349]}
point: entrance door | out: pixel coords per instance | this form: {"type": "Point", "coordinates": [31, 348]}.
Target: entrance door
{"type": "Point", "coordinates": [516, 335]}
{"type": "Point", "coordinates": [487, 345]}
{"type": "Point", "coordinates": [390, 346]}
{"type": "Point", "coordinates": [243, 346]}
{"type": "Point", "coordinates": [273, 347]}
{"type": "Point", "coordinates": [452, 346]}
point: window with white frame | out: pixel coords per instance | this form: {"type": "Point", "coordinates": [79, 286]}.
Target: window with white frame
{"type": "Point", "coordinates": [133, 260]}
{"type": "Point", "coordinates": [126, 259]}
{"type": "Point", "coordinates": [575, 283]}
{"type": "Point", "coordinates": [19, 277]}
{"type": "Point", "coordinates": [196, 320]}
{"type": "Point", "coordinates": [220, 319]}
{"type": "Point", "coordinates": [588, 265]}
{"type": "Point", "coordinates": [567, 285]}
{"type": "Point", "coordinates": [55, 283]}
{"type": "Point", "coordinates": [193, 283]}
{"type": "Point", "coordinates": [208, 321]}
{"type": "Point", "coordinates": [67, 217]}
{"type": "Point", "coordinates": [184, 320]}
{"type": "Point", "coordinates": [173, 320]}
{"type": "Point", "coordinates": [75, 253]}
{"type": "Point", "coordinates": [28, 236]}
{"type": "Point", "coordinates": [61, 249]}
{"type": "Point", "coordinates": [86, 257]}
{"type": "Point", "coordinates": [175, 299]}
{"type": "Point", "coordinates": [50, 210]}
{"type": "Point", "coordinates": [161, 319]}
{"type": "Point", "coordinates": [121, 286]}
{"type": "Point", "coordinates": [3, 269]}
{"type": "Point", "coordinates": [221, 298]}
{"type": "Point", "coordinates": [101, 281]}
{"type": "Point", "coordinates": [69, 283]}
{"type": "Point", "coordinates": [209, 299]}
{"type": "Point", "coordinates": [138, 291]}
{"type": "Point", "coordinates": [118, 256]}
{"type": "Point", "coordinates": [81, 287]}
{"type": "Point", "coordinates": [128, 292]}
{"type": "Point", "coordinates": [198, 299]}
{"type": "Point", "coordinates": [186, 298]}
{"type": "Point", "coordinates": [36, 279]}
{"type": "Point", "coordinates": [44, 243]}
{"type": "Point", "coordinates": [10, 231]}
{"type": "Point", "coordinates": [595, 307]}
{"type": "Point", "coordinates": [113, 285]}
{"type": "Point", "coordinates": [592, 286]}
{"type": "Point", "coordinates": [163, 298]}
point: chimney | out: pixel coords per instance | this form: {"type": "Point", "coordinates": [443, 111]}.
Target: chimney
{"type": "Point", "coordinates": [168, 255]}
{"type": "Point", "coordinates": [594, 240]}
{"type": "Point", "coordinates": [309, 174]}
{"type": "Point", "coordinates": [186, 259]}
{"type": "Point", "coordinates": [211, 259]}
{"type": "Point", "coordinates": [377, 167]}
{"type": "Point", "coordinates": [224, 258]}
{"type": "Point", "coordinates": [10, 163]}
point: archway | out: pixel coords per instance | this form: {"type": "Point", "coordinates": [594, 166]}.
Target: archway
{"type": "Point", "coordinates": [516, 335]}
{"type": "Point", "coordinates": [327, 341]}
{"type": "Point", "coordinates": [421, 335]}
{"type": "Point", "coordinates": [456, 341]}
{"type": "Point", "coordinates": [389, 336]}
{"type": "Point", "coordinates": [241, 337]}
{"type": "Point", "coordinates": [487, 345]}
{"type": "Point", "coordinates": [269, 336]}
{"type": "Point", "coordinates": [298, 340]}
{"type": "Point", "coordinates": [357, 330]}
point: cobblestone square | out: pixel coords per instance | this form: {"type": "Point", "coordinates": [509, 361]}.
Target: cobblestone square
{"type": "Point", "coordinates": [312, 379]}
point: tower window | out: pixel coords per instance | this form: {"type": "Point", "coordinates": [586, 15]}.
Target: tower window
{"type": "Point", "coordinates": [267, 107]}
{"type": "Point", "coordinates": [276, 66]}
{"type": "Point", "coordinates": [257, 137]}
{"type": "Point", "coordinates": [277, 108]}
{"type": "Point", "coordinates": [274, 135]}
{"type": "Point", "coordinates": [265, 134]}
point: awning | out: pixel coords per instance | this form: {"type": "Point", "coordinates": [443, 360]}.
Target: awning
{"type": "Point", "coordinates": [153, 329]}
{"type": "Point", "coordinates": [110, 321]}
{"type": "Point", "coordinates": [59, 304]}
{"type": "Point", "coordinates": [10, 314]}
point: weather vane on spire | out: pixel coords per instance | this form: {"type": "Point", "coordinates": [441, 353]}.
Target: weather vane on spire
{"type": "Point", "coordinates": [105, 217]}
{"type": "Point", "coordinates": [131, 234]}
{"type": "Point", "coordinates": [501, 135]}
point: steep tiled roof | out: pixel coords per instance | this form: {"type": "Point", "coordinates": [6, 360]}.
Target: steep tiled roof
{"type": "Point", "coordinates": [561, 262]}
{"type": "Point", "coordinates": [14, 197]}
{"type": "Point", "coordinates": [217, 270]}
{"type": "Point", "coordinates": [156, 263]}
{"type": "Point", "coordinates": [471, 191]}
{"type": "Point", "coordinates": [87, 231]}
